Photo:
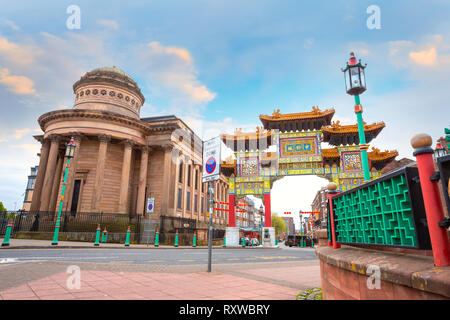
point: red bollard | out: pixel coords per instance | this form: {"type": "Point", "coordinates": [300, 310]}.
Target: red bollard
{"type": "Point", "coordinates": [331, 191]}
{"type": "Point", "coordinates": [431, 198]}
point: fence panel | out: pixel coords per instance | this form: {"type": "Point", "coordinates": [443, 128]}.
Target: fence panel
{"type": "Point", "coordinates": [388, 211]}
{"type": "Point", "coordinates": [80, 223]}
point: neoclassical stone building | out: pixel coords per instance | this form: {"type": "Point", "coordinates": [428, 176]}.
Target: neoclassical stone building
{"type": "Point", "coordinates": [120, 159]}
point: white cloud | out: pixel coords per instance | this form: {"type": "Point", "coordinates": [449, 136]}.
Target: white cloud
{"type": "Point", "coordinates": [425, 57]}
{"type": "Point", "coordinates": [32, 148]}
{"type": "Point", "coordinates": [111, 24]}
{"type": "Point", "coordinates": [17, 54]}
{"type": "Point", "coordinates": [16, 84]}
{"type": "Point", "coordinates": [19, 133]}
{"type": "Point", "coordinates": [12, 25]}
{"type": "Point", "coordinates": [171, 73]}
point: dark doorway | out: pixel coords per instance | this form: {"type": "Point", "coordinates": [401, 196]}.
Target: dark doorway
{"type": "Point", "coordinates": [76, 195]}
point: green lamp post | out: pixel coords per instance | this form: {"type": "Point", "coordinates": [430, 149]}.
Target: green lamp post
{"type": "Point", "coordinates": [70, 151]}
{"type": "Point", "coordinates": [355, 83]}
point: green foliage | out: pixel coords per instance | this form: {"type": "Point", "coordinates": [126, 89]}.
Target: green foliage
{"type": "Point", "coordinates": [279, 224]}
{"type": "Point", "coordinates": [310, 294]}
{"type": "Point", "coordinates": [2, 208]}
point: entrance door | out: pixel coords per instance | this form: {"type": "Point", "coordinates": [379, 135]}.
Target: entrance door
{"type": "Point", "coordinates": [75, 197]}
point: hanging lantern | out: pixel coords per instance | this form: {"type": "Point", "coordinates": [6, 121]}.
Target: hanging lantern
{"type": "Point", "coordinates": [70, 148]}
{"type": "Point", "coordinates": [355, 79]}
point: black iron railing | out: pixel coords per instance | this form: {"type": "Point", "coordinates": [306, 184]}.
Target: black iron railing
{"type": "Point", "coordinates": [82, 222]}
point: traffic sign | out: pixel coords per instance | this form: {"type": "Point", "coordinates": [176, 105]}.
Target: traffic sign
{"type": "Point", "coordinates": [210, 165]}
{"type": "Point", "coordinates": [211, 160]}
{"type": "Point", "coordinates": [150, 205]}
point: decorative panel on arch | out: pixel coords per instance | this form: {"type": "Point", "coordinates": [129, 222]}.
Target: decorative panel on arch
{"type": "Point", "coordinates": [248, 166]}
{"type": "Point", "coordinates": [351, 161]}
{"type": "Point", "coordinates": [299, 147]}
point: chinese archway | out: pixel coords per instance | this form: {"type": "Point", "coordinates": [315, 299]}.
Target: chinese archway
{"type": "Point", "coordinates": [290, 145]}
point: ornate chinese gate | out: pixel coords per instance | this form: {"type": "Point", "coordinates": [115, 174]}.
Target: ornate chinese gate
{"type": "Point", "coordinates": [290, 145]}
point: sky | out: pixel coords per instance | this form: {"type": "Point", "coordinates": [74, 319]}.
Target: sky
{"type": "Point", "coordinates": [219, 64]}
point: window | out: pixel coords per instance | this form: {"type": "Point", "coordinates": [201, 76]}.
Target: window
{"type": "Point", "coordinates": [196, 179]}
{"type": "Point", "coordinates": [203, 206]}
{"type": "Point", "coordinates": [30, 184]}
{"type": "Point", "coordinates": [180, 197]}
{"type": "Point", "coordinates": [189, 176]}
{"type": "Point", "coordinates": [188, 201]}
{"type": "Point", "coordinates": [196, 203]}
{"type": "Point", "coordinates": [180, 177]}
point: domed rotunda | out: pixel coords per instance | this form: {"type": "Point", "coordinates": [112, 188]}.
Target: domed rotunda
{"type": "Point", "coordinates": [120, 159]}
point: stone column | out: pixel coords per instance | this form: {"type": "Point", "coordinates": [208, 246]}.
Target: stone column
{"type": "Point", "coordinates": [99, 172]}
{"type": "Point", "coordinates": [166, 179]}
{"type": "Point", "coordinates": [77, 137]}
{"type": "Point", "coordinates": [142, 182]}
{"type": "Point", "coordinates": [125, 180]}
{"type": "Point", "coordinates": [49, 173]}
{"type": "Point", "coordinates": [56, 182]}
{"type": "Point", "coordinates": [36, 199]}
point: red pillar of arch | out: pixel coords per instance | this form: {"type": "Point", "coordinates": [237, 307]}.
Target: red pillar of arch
{"type": "Point", "coordinates": [267, 211]}
{"type": "Point", "coordinates": [232, 212]}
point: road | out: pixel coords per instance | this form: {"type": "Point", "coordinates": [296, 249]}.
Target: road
{"type": "Point", "coordinates": [162, 257]}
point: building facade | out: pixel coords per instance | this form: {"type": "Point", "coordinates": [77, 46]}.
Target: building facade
{"type": "Point", "coordinates": [29, 189]}
{"type": "Point", "coordinates": [290, 227]}
{"type": "Point", "coordinates": [319, 204]}
{"type": "Point", "coordinates": [120, 159]}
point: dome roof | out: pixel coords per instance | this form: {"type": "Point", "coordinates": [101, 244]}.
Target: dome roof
{"type": "Point", "coordinates": [113, 69]}
{"type": "Point", "coordinates": [109, 74]}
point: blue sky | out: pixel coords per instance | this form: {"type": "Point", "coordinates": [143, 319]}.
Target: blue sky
{"type": "Point", "coordinates": [220, 64]}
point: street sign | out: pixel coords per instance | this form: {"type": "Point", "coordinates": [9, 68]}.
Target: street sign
{"type": "Point", "coordinates": [211, 160]}
{"type": "Point", "coordinates": [150, 205]}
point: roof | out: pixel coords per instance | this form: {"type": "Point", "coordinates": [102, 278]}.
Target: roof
{"type": "Point", "coordinates": [314, 114]}
{"type": "Point", "coordinates": [112, 69]}
{"type": "Point", "coordinates": [297, 121]}
{"type": "Point", "coordinates": [239, 135]}
{"type": "Point", "coordinates": [330, 153]}
{"type": "Point", "coordinates": [241, 140]}
{"type": "Point", "coordinates": [112, 75]}
{"type": "Point", "coordinates": [375, 155]}
{"type": "Point", "coordinates": [159, 118]}
{"type": "Point", "coordinates": [337, 134]}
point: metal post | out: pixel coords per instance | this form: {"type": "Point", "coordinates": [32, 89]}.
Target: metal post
{"type": "Point", "coordinates": [332, 190]}
{"type": "Point", "coordinates": [211, 203]}
{"type": "Point", "coordinates": [362, 139]}
{"type": "Point", "coordinates": [433, 209]}
{"type": "Point", "coordinates": [58, 218]}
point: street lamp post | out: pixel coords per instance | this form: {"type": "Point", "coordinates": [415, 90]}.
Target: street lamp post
{"type": "Point", "coordinates": [355, 82]}
{"type": "Point", "coordinates": [70, 151]}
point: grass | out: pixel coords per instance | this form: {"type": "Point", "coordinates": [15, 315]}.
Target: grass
{"type": "Point", "coordinates": [310, 294]}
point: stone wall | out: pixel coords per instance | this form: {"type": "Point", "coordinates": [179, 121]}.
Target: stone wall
{"type": "Point", "coordinates": [350, 273]}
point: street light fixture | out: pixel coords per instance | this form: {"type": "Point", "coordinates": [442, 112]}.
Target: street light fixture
{"type": "Point", "coordinates": [70, 151]}
{"type": "Point", "coordinates": [355, 84]}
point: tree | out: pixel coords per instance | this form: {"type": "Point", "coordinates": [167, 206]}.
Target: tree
{"type": "Point", "coordinates": [279, 225]}
{"type": "Point", "coordinates": [2, 208]}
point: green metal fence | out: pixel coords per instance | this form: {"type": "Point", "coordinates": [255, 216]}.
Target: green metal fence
{"type": "Point", "coordinates": [388, 211]}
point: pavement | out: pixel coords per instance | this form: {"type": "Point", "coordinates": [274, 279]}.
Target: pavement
{"type": "Point", "coordinates": [256, 274]}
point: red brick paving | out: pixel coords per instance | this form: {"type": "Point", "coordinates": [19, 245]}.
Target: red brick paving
{"type": "Point", "coordinates": [99, 285]}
